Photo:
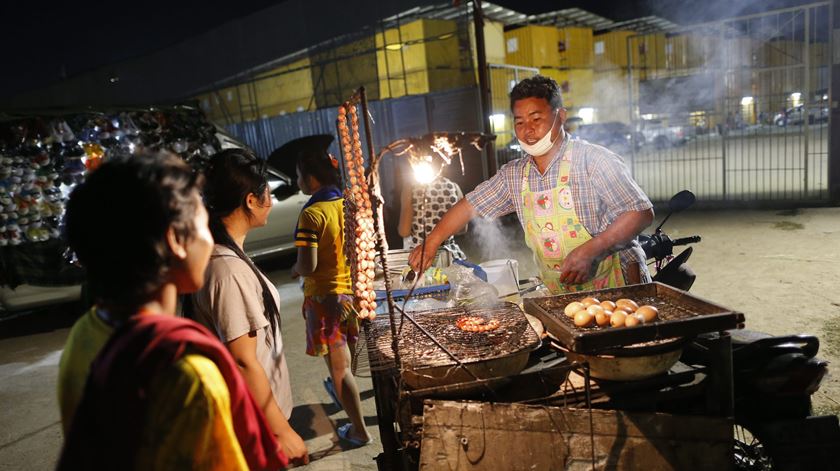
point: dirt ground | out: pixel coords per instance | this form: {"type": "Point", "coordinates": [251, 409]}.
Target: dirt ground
{"type": "Point", "coordinates": [780, 268]}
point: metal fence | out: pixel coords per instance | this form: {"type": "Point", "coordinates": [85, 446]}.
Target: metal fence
{"type": "Point", "coordinates": [736, 110]}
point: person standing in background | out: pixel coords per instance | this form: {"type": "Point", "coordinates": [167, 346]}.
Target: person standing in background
{"type": "Point", "coordinates": [238, 301]}
{"type": "Point", "coordinates": [332, 325]}
{"type": "Point", "coordinates": [422, 206]}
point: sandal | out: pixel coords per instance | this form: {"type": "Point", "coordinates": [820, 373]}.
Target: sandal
{"type": "Point", "coordinates": [344, 434]}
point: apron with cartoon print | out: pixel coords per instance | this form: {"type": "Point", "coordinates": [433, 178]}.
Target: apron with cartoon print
{"type": "Point", "coordinates": [553, 230]}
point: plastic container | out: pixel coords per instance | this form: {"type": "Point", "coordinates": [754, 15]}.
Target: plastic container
{"type": "Point", "coordinates": [503, 274]}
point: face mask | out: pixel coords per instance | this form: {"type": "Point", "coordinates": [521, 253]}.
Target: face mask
{"type": "Point", "coordinates": [543, 145]}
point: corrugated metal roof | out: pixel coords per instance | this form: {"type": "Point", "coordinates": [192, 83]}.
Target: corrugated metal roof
{"type": "Point", "coordinates": [559, 18]}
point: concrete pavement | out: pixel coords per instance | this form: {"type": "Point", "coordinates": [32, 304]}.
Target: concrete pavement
{"type": "Point", "coordinates": [778, 267]}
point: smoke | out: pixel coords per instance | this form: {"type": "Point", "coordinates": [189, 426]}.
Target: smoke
{"type": "Point", "coordinates": [712, 10]}
{"type": "Point", "coordinates": [494, 239]}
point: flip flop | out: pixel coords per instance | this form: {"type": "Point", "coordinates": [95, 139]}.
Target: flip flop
{"type": "Point", "coordinates": [330, 387]}
{"type": "Point", "coordinates": [344, 434]}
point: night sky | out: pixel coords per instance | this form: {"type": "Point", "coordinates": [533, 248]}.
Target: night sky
{"type": "Point", "coordinates": [45, 41]}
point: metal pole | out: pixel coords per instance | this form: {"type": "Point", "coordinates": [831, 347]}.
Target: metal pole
{"type": "Point", "coordinates": [484, 85]}
{"type": "Point", "coordinates": [378, 224]}
{"type": "Point", "coordinates": [630, 113]}
{"type": "Point", "coordinates": [805, 108]}
{"type": "Point", "coordinates": [834, 110]}
{"type": "Point", "coordinates": [724, 97]}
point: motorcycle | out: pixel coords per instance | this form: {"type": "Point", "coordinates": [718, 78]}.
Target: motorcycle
{"type": "Point", "coordinates": [659, 248]}
{"type": "Point", "coordinates": [774, 376]}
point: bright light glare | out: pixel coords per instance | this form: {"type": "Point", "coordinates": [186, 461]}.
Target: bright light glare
{"type": "Point", "coordinates": [497, 121]}
{"type": "Point", "coordinates": [394, 47]}
{"type": "Point", "coordinates": [424, 173]}
{"type": "Point", "coordinates": [796, 95]}
{"type": "Point", "coordinates": [587, 114]}
{"type": "Point", "coordinates": [747, 100]}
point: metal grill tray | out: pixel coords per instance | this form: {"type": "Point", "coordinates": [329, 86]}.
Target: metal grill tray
{"type": "Point", "coordinates": [418, 351]}
{"type": "Point", "coordinates": [680, 314]}
{"type": "Point", "coordinates": [497, 354]}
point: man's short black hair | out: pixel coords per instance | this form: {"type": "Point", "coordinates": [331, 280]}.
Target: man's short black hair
{"type": "Point", "coordinates": [117, 220]}
{"type": "Point", "coordinates": [538, 86]}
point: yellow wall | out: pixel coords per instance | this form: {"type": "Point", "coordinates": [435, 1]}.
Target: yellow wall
{"type": "Point", "coordinates": [494, 42]}
{"type": "Point", "coordinates": [419, 57]}
{"type": "Point", "coordinates": [610, 50]}
{"type": "Point", "coordinates": [648, 53]}
{"type": "Point", "coordinates": [549, 47]}
{"type": "Point", "coordinates": [336, 73]}
{"type": "Point", "coordinates": [575, 85]}
{"type": "Point", "coordinates": [533, 46]}
{"type": "Point", "coordinates": [217, 107]}
{"type": "Point", "coordinates": [227, 102]}
{"type": "Point", "coordinates": [575, 47]}
{"type": "Point", "coordinates": [285, 89]}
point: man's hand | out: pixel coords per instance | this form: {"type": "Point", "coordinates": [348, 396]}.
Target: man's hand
{"type": "Point", "coordinates": [425, 251]}
{"type": "Point", "coordinates": [293, 447]}
{"type": "Point", "coordinates": [578, 266]}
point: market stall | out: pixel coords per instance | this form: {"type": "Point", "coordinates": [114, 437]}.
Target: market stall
{"type": "Point", "coordinates": [45, 154]}
{"type": "Point", "coordinates": [455, 371]}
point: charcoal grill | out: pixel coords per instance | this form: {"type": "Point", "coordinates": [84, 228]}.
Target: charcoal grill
{"type": "Point", "coordinates": [453, 355]}
{"type": "Point", "coordinates": [680, 315]}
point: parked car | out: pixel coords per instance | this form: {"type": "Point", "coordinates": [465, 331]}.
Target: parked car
{"type": "Point", "coordinates": [662, 136]}
{"type": "Point", "coordinates": [572, 124]}
{"type": "Point", "coordinates": [614, 135]}
{"type": "Point", "coordinates": [796, 115]}
{"type": "Point", "coordinates": [276, 238]}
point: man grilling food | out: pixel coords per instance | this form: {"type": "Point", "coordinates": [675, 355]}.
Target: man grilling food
{"type": "Point", "coordinates": [578, 205]}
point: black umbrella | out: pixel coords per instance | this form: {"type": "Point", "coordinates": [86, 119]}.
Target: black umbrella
{"type": "Point", "coordinates": [284, 157]}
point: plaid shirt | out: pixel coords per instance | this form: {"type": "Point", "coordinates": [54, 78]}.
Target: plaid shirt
{"type": "Point", "coordinates": [602, 189]}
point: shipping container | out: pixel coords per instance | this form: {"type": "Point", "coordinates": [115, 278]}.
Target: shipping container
{"type": "Point", "coordinates": [338, 71]}
{"type": "Point", "coordinates": [420, 57]}
{"type": "Point", "coordinates": [575, 48]}
{"type": "Point", "coordinates": [533, 46]}
{"type": "Point", "coordinates": [286, 89]}
{"type": "Point", "coordinates": [648, 51]}
{"type": "Point", "coordinates": [576, 87]}
{"type": "Point", "coordinates": [494, 42]}
{"type": "Point", "coordinates": [610, 50]}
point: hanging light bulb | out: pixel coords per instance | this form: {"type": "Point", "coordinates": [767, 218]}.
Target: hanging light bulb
{"type": "Point", "coordinates": [424, 173]}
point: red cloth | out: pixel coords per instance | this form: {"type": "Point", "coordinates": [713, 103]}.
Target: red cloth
{"type": "Point", "coordinates": [105, 433]}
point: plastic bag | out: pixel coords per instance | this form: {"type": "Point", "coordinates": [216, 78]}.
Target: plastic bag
{"type": "Point", "coordinates": [467, 289]}
{"type": "Point", "coordinates": [427, 304]}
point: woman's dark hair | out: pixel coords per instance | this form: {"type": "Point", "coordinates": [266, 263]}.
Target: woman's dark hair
{"type": "Point", "coordinates": [116, 223]}
{"type": "Point", "coordinates": [231, 176]}
{"type": "Point", "coordinates": [538, 86]}
{"type": "Point", "coordinates": [317, 163]}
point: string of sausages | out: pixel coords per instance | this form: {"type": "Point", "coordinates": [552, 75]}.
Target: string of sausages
{"type": "Point", "coordinates": [359, 235]}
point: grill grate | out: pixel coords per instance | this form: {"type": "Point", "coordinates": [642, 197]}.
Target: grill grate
{"type": "Point", "coordinates": [680, 314]}
{"type": "Point", "coordinates": [418, 351]}
{"type": "Point", "coordinates": [669, 310]}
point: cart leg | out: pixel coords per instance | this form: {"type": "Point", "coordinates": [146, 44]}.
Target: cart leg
{"type": "Point", "coordinates": [720, 396]}
{"type": "Point", "coordinates": [385, 396]}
